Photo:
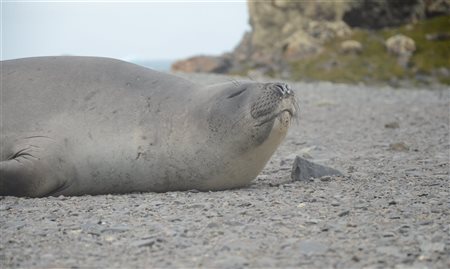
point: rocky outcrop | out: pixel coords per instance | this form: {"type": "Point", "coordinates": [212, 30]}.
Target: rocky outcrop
{"type": "Point", "coordinates": [284, 31]}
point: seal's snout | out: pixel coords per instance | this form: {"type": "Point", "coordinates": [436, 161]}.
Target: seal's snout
{"type": "Point", "coordinates": [275, 97]}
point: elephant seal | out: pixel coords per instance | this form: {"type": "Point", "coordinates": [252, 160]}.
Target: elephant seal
{"type": "Point", "coordinates": [87, 125]}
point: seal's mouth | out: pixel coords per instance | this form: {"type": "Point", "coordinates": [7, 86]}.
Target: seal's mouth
{"type": "Point", "coordinates": [276, 115]}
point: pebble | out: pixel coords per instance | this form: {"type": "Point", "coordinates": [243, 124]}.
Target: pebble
{"type": "Point", "coordinates": [392, 125]}
{"type": "Point", "coordinates": [344, 213]}
{"type": "Point", "coordinates": [399, 146]}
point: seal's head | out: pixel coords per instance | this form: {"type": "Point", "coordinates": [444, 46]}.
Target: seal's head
{"type": "Point", "coordinates": [250, 120]}
{"type": "Point", "coordinates": [248, 113]}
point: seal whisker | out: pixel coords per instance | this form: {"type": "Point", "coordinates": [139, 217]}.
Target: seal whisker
{"type": "Point", "coordinates": [296, 114]}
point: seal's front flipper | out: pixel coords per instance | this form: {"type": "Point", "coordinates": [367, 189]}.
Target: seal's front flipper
{"type": "Point", "coordinates": [27, 173]}
{"type": "Point", "coordinates": [16, 177]}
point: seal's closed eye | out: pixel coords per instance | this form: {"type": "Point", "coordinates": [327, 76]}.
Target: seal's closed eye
{"type": "Point", "coordinates": [237, 93]}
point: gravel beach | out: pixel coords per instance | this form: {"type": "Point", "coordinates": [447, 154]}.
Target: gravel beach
{"type": "Point", "coordinates": [391, 209]}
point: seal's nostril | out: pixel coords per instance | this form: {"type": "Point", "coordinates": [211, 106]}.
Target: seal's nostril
{"type": "Point", "coordinates": [280, 88]}
{"type": "Point", "coordinates": [283, 89]}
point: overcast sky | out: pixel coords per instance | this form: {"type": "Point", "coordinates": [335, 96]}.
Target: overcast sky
{"type": "Point", "coordinates": [127, 30]}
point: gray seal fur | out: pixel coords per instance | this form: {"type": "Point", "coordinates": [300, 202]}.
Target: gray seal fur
{"type": "Point", "coordinates": [87, 125]}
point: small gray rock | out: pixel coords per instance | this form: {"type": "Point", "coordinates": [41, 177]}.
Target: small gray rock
{"type": "Point", "coordinates": [392, 125]}
{"type": "Point", "coordinates": [147, 242]}
{"type": "Point", "coordinates": [305, 170]}
{"type": "Point", "coordinates": [344, 213]}
{"type": "Point", "coordinates": [143, 243]}
{"type": "Point", "coordinates": [400, 146]}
